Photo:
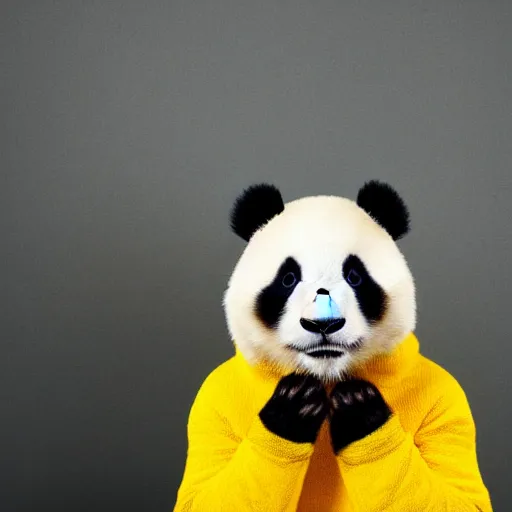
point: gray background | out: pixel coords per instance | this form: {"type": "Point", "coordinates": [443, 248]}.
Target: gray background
{"type": "Point", "coordinates": [127, 130]}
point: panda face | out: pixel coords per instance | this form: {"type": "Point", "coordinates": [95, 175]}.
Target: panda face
{"type": "Point", "coordinates": [320, 288]}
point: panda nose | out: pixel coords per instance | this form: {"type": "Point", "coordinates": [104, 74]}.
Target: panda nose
{"type": "Point", "coordinates": [329, 326]}
{"type": "Point", "coordinates": [322, 316]}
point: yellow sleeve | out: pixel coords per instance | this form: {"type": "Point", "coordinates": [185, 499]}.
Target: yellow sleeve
{"type": "Point", "coordinates": [436, 471]}
{"type": "Point", "coordinates": [261, 472]}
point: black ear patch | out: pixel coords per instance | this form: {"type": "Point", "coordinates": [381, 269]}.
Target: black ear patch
{"type": "Point", "coordinates": [254, 208]}
{"type": "Point", "coordinates": [386, 207]}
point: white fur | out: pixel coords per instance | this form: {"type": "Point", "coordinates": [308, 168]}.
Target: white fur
{"type": "Point", "coordinates": [319, 232]}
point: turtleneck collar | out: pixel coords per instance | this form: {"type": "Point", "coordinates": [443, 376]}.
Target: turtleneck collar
{"type": "Point", "coordinates": [389, 368]}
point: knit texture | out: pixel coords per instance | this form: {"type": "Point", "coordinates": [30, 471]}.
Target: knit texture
{"type": "Point", "coordinates": [422, 459]}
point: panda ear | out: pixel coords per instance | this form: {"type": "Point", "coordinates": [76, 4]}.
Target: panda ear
{"type": "Point", "coordinates": [385, 206]}
{"type": "Point", "coordinates": [254, 208]}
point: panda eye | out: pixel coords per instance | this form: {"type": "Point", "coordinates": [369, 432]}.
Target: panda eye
{"type": "Point", "coordinates": [353, 278]}
{"type": "Point", "coordinates": [289, 280]}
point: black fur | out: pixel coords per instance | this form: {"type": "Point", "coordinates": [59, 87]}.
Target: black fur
{"type": "Point", "coordinates": [369, 294]}
{"type": "Point", "coordinates": [297, 408]}
{"type": "Point", "coordinates": [386, 207]}
{"type": "Point", "coordinates": [358, 409]}
{"type": "Point", "coordinates": [254, 208]}
{"type": "Point", "coordinates": [272, 300]}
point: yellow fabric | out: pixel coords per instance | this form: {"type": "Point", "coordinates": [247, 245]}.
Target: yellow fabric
{"type": "Point", "coordinates": [424, 459]}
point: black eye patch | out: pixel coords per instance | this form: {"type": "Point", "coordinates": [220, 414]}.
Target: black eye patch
{"type": "Point", "coordinates": [369, 294]}
{"type": "Point", "coordinates": [271, 301]}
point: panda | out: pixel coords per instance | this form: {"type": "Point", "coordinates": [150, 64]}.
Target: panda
{"type": "Point", "coordinates": [323, 285]}
{"type": "Point", "coordinates": [328, 403]}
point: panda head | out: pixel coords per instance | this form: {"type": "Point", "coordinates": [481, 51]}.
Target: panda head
{"type": "Point", "coordinates": [321, 285]}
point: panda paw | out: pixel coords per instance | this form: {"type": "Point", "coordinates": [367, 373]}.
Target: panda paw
{"type": "Point", "coordinates": [297, 408]}
{"type": "Point", "coordinates": [358, 409]}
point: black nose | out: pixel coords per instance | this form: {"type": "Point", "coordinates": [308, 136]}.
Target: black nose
{"type": "Point", "coordinates": [322, 291]}
{"type": "Point", "coordinates": [323, 326]}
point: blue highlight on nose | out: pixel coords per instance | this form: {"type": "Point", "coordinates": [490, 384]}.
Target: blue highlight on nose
{"type": "Point", "coordinates": [326, 307]}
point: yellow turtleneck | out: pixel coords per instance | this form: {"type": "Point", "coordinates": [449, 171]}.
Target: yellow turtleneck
{"type": "Point", "coordinates": [423, 459]}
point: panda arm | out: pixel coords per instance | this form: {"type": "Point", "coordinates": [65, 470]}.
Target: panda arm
{"type": "Point", "coordinates": [437, 470]}
{"type": "Point", "coordinates": [226, 473]}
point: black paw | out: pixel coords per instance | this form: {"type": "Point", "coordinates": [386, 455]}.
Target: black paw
{"type": "Point", "coordinates": [297, 408]}
{"type": "Point", "coordinates": [358, 409]}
